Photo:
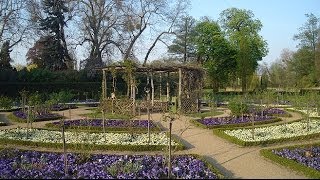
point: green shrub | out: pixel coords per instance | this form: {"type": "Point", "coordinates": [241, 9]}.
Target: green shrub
{"type": "Point", "coordinates": [238, 108]}
{"type": "Point", "coordinates": [5, 103]}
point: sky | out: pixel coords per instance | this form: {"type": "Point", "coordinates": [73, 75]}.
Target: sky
{"type": "Point", "coordinates": [281, 19]}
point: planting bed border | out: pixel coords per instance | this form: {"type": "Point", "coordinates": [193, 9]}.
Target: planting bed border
{"type": "Point", "coordinates": [195, 122]}
{"type": "Point", "coordinates": [289, 163]}
{"type": "Point", "coordinates": [82, 146]}
{"type": "Point", "coordinates": [219, 132]}
{"type": "Point", "coordinates": [12, 117]}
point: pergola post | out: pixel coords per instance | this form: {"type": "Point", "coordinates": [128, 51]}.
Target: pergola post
{"type": "Point", "coordinates": [180, 88]}
{"type": "Point", "coordinates": [160, 86]}
{"type": "Point", "coordinates": [168, 89]}
{"type": "Point", "coordinates": [152, 90]}
{"type": "Point", "coordinates": [104, 84]}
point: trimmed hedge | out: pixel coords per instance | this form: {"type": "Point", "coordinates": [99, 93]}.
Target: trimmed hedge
{"type": "Point", "coordinates": [12, 117]}
{"type": "Point", "coordinates": [195, 122]}
{"type": "Point", "coordinates": [87, 147]}
{"type": "Point", "coordinates": [209, 165]}
{"type": "Point", "coordinates": [292, 164]}
{"type": "Point", "coordinates": [220, 133]}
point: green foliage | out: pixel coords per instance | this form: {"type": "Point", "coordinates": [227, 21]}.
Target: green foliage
{"type": "Point", "coordinates": [215, 52]}
{"type": "Point", "coordinates": [183, 47]}
{"type": "Point", "coordinates": [61, 97]}
{"type": "Point", "coordinates": [238, 107]}
{"type": "Point", "coordinates": [5, 58]}
{"type": "Point", "coordinates": [5, 103]}
{"type": "Point", "coordinates": [35, 99]}
{"type": "Point", "coordinates": [250, 47]}
{"type": "Point", "coordinates": [14, 118]}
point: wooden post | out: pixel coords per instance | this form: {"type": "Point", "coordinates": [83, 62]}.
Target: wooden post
{"type": "Point", "coordinates": [160, 87]}
{"type": "Point", "coordinates": [148, 112]}
{"type": "Point", "coordinates": [169, 162]}
{"type": "Point", "coordinates": [168, 87]}
{"type": "Point", "coordinates": [152, 90]}
{"type": "Point", "coordinates": [64, 148]}
{"type": "Point", "coordinates": [180, 89]}
{"type": "Point", "coordinates": [104, 84]}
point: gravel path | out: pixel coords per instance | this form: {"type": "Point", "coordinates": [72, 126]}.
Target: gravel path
{"type": "Point", "coordinates": [234, 161]}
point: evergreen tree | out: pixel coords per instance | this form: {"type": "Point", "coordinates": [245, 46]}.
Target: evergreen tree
{"type": "Point", "coordinates": [183, 46]}
{"type": "Point", "coordinates": [5, 56]}
{"type": "Point", "coordinates": [54, 23]}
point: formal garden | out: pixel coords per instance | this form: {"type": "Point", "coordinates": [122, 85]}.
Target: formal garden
{"type": "Point", "coordinates": [255, 119]}
{"type": "Point", "coordinates": [140, 89]}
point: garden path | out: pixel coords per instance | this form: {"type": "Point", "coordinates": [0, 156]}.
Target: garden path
{"type": "Point", "coordinates": [233, 160]}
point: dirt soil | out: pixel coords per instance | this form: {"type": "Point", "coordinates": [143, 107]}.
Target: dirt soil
{"type": "Point", "coordinates": [232, 160]}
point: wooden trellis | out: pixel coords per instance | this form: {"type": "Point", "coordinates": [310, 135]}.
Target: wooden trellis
{"type": "Point", "coordinates": [188, 91]}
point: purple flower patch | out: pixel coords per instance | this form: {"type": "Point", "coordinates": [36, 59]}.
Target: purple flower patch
{"type": "Point", "coordinates": [108, 123]}
{"type": "Point", "coordinates": [38, 116]}
{"type": "Point", "coordinates": [307, 156]}
{"type": "Point", "coordinates": [20, 164]}
{"type": "Point", "coordinates": [232, 120]}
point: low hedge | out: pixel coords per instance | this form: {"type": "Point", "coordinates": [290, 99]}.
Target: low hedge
{"type": "Point", "coordinates": [209, 165]}
{"type": "Point", "coordinates": [292, 164]}
{"type": "Point", "coordinates": [112, 147]}
{"type": "Point", "coordinates": [12, 117]}
{"type": "Point", "coordinates": [220, 133]}
{"type": "Point", "coordinates": [197, 123]}
{"type": "Point", "coordinates": [3, 124]}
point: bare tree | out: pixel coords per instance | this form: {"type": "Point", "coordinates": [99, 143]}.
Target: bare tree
{"type": "Point", "coordinates": [99, 18]}
{"type": "Point", "coordinates": [12, 21]}
{"type": "Point", "coordinates": [137, 15]}
{"type": "Point", "coordinates": [169, 18]}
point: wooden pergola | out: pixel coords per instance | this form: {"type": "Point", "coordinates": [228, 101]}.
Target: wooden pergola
{"type": "Point", "coordinates": [189, 85]}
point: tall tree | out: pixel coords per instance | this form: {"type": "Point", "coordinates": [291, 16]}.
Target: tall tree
{"type": "Point", "coordinates": [98, 23]}
{"type": "Point", "coordinates": [5, 56]}
{"type": "Point", "coordinates": [54, 23]}
{"type": "Point", "coordinates": [13, 25]}
{"type": "Point", "coordinates": [309, 37]}
{"type": "Point", "coordinates": [242, 31]}
{"type": "Point", "coordinates": [214, 52]}
{"type": "Point", "coordinates": [182, 46]}
{"type": "Point", "coordinates": [137, 15]}
{"type": "Point", "coordinates": [167, 21]}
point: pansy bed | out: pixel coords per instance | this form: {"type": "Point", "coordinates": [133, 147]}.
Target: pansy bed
{"type": "Point", "coordinates": [274, 112]}
{"type": "Point", "coordinates": [61, 107]}
{"type": "Point", "coordinates": [271, 134]}
{"type": "Point", "coordinates": [305, 158]}
{"type": "Point", "coordinates": [87, 140]}
{"type": "Point", "coordinates": [110, 125]}
{"type": "Point", "coordinates": [26, 164]}
{"type": "Point", "coordinates": [217, 122]}
{"type": "Point", "coordinates": [20, 116]}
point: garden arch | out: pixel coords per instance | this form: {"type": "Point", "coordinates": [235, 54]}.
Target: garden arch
{"type": "Point", "coordinates": [186, 97]}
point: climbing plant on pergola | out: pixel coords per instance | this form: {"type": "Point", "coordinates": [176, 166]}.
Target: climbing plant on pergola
{"type": "Point", "coordinates": [188, 93]}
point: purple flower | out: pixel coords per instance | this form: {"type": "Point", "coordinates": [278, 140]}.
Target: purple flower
{"type": "Point", "coordinates": [17, 164]}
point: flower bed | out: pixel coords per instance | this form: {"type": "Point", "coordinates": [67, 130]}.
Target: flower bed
{"type": "Point", "coordinates": [22, 164]}
{"type": "Point", "coordinates": [20, 116]}
{"type": "Point", "coordinates": [110, 125]}
{"type": "Point", "coordinates": [313, 112]}
{"type": "Point", "coordinates": [61, 107]}
{"type": "Point", "coordinates": [274, 112]}
{"type": "Point", "coordinates": [233, 121]}
{"type": "Point", "coordinates": [305, 158]}
{"type": "Point", "coordinates": [111, 141]}
{"type": "Point", "coordinates": [271, 134]}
